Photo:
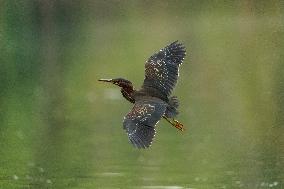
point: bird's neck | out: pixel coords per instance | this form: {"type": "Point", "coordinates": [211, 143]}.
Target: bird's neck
{"type": "Point", "coordinates": [128, 92]}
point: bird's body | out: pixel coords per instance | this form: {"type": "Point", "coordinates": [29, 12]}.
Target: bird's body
{"type": "Point", "coordinates": [153, 101]}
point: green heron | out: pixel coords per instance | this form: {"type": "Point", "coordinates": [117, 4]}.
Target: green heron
{"type": "Point", "coordinates": [153, 101]}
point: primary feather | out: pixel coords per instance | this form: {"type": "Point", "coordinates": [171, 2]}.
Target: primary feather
{"type": "Point", "coordinates": [162, 70]}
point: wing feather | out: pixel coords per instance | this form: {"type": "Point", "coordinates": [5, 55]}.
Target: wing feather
{"type": "Point", "coordinates": [140, 122]}
{"type": "Point", "coordinates": [162, 70]}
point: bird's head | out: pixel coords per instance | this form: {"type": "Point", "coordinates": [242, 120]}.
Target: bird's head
{"type": "Point", "coordinates": [119, 82]}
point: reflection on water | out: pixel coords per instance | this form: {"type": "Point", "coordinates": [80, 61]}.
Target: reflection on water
{"type": "Point", "coordinates": [106, 177]}
{"type": "Point", "coordinates": [60, 128]}
{"type": "Point", "coordinates": [163, 187]}
{"type": "Point", "coordinates": [135, 180]}
{"type": "Point", "coordinates": [109, 174]}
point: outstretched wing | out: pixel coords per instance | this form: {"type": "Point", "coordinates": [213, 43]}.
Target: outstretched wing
{"type": "Point", "coordinates": [140, 122]}
{"type": "Point", "coordinates": [162, 70]}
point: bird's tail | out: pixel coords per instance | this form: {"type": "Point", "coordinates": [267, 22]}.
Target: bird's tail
{"type": "Point", "coordinates": [171, 110]}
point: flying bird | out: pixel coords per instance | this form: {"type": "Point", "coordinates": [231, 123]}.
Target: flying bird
{"type": "Point", "coordinates": [153, 101]}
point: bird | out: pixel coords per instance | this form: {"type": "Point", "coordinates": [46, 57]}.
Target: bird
{"type": "Point", "coordinates": [153, 101]}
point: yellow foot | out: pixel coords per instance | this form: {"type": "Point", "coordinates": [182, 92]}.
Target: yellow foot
{"type": "Point", "coordinates": [175, 124]}
{"type": "Point", "coordinates": [178, 125]}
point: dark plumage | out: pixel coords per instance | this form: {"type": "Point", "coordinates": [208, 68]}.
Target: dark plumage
{"type": "Point", "coordinates": [140, 122]}
{"type": "Point", "coordinates": [162, 70]}
{"type": "Point", "coordinates": [153, 100]}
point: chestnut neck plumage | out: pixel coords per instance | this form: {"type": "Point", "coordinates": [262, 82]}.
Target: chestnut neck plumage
{"type": "Point", "coordinates": [127, 92]}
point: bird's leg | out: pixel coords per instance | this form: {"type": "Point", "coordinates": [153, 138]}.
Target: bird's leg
{"type": "Point", "coordinates": [175, 123]}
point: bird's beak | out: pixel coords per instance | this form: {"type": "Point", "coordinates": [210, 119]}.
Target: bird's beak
{"type": "Point", "coordinates": [105, 80]}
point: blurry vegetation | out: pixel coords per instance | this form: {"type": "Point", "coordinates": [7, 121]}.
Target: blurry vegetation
{"type": "Point", "coordinates": [60, 128]}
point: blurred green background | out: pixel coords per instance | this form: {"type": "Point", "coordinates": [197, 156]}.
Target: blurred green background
{"type": "Point", "coordinates": [60, 128]}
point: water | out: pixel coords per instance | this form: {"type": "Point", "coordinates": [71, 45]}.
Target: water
{"type": "Point", "coordinates": [60, 128]}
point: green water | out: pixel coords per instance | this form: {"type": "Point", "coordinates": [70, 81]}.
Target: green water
{"type": "Point", "coordinates": [60, 128]}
